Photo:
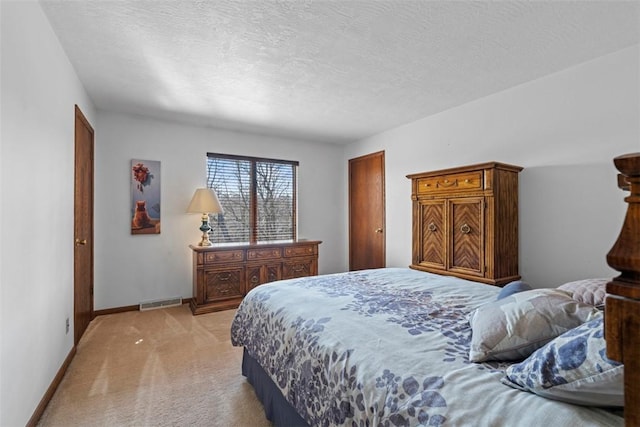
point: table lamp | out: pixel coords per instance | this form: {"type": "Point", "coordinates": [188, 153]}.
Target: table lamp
{"type": "Point", "coordinates": [206, 202]}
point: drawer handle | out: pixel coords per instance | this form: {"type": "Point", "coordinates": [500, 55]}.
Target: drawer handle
{"type": "Point", "coordinates": [467, 181]}
{"type": "Point", "coordinates": [254, 279]}
{"type": "Point", "coordinates": [298, 268]}
{"type": "Point", "coordinates": [432, 227]}
{"type": "Point", "coordinates": [225, 277]}
{"type": "Point", "coordinates": [378, 230]}
{"type": "Point", "coordinates": [465, 229]}
{"type": "Point", "coordinates": [224, 291]}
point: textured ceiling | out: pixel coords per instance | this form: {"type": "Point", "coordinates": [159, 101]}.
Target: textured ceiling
{"type": "Point", "coordinates": [333, 71]}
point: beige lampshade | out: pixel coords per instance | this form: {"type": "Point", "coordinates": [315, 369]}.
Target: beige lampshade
{"type": "Point", "coordinates": [204, 201]}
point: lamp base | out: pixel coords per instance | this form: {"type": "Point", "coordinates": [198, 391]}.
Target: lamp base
{"type": "Point", "coordinates": [205, 228]}
{"type": "Point", "coordinates": [205, 240]}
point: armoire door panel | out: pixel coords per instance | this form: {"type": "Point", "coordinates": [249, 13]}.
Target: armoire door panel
{"type": "Point", "coordinates": [467, 235]}
{"type": "Point", "coordinates": [433, 233]}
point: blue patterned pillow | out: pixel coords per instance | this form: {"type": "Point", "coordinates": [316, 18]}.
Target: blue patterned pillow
{"type": "Point", "coordinates": [572, 368]}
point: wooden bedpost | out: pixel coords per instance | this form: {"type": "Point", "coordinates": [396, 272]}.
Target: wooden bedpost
{"type": "Point", "coordinates": [622, 313]}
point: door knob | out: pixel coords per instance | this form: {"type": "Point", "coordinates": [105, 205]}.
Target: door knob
{"type": "Point", "coordinates": [81, 242]}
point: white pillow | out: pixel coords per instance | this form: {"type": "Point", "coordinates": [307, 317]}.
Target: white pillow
{"type": "Point", "coordinates": [512, 328]}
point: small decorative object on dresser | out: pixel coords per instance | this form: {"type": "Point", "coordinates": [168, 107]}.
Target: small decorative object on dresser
{"type": "Point", "coordinates": [465, 222]}
{"type": "Point", "coordinates": [223, 273]}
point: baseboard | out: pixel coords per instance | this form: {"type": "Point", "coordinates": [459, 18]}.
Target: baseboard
{"type": "Point", "coordinates": [127, 308]}
{"type": "Point", "coordinates": [33, 421]}
{"type": "Point", "coordinates": [115, 310]}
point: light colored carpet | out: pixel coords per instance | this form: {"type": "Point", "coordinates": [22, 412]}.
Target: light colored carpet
{"type": "Point", "coordinates": [161, 367]}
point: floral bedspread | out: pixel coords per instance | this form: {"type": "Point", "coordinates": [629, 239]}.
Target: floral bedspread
{"type": "Point", "coordinates": [387, 347]}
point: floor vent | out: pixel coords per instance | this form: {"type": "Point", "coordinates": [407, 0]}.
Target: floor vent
{"type": "Point", "coordinates": [151, 305]}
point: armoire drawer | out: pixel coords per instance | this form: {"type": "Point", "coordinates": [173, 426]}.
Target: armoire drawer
{"type": "Point", "coordinates": [452, 182]}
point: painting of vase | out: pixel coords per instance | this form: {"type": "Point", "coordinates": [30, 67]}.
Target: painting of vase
{"type": "Point", "coordinates": [145, 196]}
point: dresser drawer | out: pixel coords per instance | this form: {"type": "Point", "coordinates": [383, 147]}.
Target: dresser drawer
{"type": "Point", "coordinates": [223, 256]}
{"type": "Point", "coordinates": [301, 268]}
{"type": "Point", "coordinates": [302, 250]}
{"type": "Point", "coordinates": [222, 284]}
{"type": "Point", "coordinates": [264, 253]}
{"type": "Point", "coordinates": [450, 183]}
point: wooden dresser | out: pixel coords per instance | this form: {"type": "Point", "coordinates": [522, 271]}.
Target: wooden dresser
{"type": "Point", "coordinates": [223, 274]}
{"type": "Point", "coordinates": [465, 222]}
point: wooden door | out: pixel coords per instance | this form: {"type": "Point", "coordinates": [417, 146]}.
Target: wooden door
{"type": "Point", "coordinates": [467, 235]}
{"type": "Point", "coordinates": [83, 226]}
{"type": "Point", "coordinates": [367, 212]}
{"type": "Point", "coordinates": [432, 248]}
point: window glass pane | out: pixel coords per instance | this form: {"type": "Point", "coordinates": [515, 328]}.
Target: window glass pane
{"type": "Point", "coordinates": [230, 179]}
{"type": "Point", "coordinates": [274, 191]}
{"type": "Point", "coordinates": [258, 197]}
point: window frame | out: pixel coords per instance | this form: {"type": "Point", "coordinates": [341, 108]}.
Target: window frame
{"type": "Point", "coordinates": [253, 194]}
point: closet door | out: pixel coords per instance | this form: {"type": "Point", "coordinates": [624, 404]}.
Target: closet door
{"type": "Point", "coordinates": [466, 225]}
{"type": "Point", "coordinates": [367, 241]}
{"type": "Point", "coordinates": [432, 252]}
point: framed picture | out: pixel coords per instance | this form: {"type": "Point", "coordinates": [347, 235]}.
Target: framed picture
{"type": "Point", "coordinates": [145, 196]}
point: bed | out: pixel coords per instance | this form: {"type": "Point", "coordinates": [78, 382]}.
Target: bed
{"type": "Point", "coordinates": [393, 347]}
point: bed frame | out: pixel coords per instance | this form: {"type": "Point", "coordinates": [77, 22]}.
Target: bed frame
{"type": "Point", "coordinates": [622, 312]}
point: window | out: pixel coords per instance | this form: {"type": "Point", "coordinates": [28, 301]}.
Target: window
{"type": "Point", "coordinates": [258, 197]}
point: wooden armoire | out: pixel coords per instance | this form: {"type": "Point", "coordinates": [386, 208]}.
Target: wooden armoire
{"type": "Point", "coordinates": [465, 222]}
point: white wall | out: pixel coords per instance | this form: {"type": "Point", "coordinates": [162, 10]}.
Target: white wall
{"type": "Point", "coordinates": [39, 89]}
{"type": "Point", "coordinates": [564, 129]}
{"type": "Point", "coordinates": [130, 269]}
